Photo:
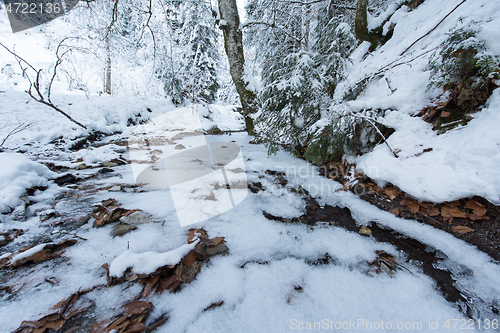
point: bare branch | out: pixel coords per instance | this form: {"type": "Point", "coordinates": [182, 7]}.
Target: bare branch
{"type": "Point", "coordinates": [432, 28]}
{"type": "Point", "coordinates": [36, 84]}
{"type": "Point", "coordinates": [272, 25]}
{"type": "Point", "coordinates": [19, 128]}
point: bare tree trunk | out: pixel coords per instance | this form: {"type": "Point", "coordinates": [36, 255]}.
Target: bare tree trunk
{"type": "Point", "coordinates": [107, 71]}
{"type": "Point", "coordinates": [361, 26]}
{"type": "Point", "coordinates": [233, 43]}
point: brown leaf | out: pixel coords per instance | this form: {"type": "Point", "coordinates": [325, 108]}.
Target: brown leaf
{"type": "Point", "coordinates": [186, 274]}
{"type": "Point", "coordinates": [117, 324]}
{"type": "Point", "coordinates": [135, 327]}
{"type": "Point", "coordinates": [445, 212]}
{"type": "Point", "coordinates": [55, 325]}
{"type": "Point", "coordinates": [170, 283]}
{"type": "Point", "coordinates": [412, 205]}
{"type": "Point", "coordinates": [474, 217]}
{"type": "Point", "coordinates": [394, 211]}
{"type": "Point", "coordinates": [213, 305]}
{"type": "Point", "coordinates": [476, 207]}
{"type": "Point", "coordinates": [148, 289]}
{"type": "Point", "coordinates": [473, 204]}
{"type": "Point", "coordinates": [461, 229]}
{"type": "Point", "coordinates": [108, 202]}
{"type": "Point", "coordinates": [127, 212]}
{"type": "Point", "coordinates": [455, 203]}
{"type": "Point", "coordinates": [189, 258]}
{"type": "Point", "coordinates": [217, 240]}
{"type": "Point", "coordinates": [434, 211]}
{"type": "Point", "coordinates": [136, 308]}
{"type": "Point", "coordinates": [192, 234]}
{"type": "Point", "coordinates": [152, 280]}
{"type": "Point", "coordinates": [455, 212]}
{"type": "Point", "coordinates": [5, 262]}
{"type": "Point", "coordinates": [391, 192]}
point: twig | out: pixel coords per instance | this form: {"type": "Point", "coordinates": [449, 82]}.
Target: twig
{"type": "Point", "coordinates": [432, 28]}
{"type": "Point", "coordinates": [369, 120]}
{"type": "Point", "coordinates": [21, 127]}
{"type": "Point", "coordinates": [36, 85]}
{"type": "Point", "coordinates": [272, 25]}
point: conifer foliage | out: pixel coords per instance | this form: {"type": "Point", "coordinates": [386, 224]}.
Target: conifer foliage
{"type": "Point", "coordinates": [303, 50]}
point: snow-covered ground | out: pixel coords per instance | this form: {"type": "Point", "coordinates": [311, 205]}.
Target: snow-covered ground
{"type": "Point", "coordinates": [259, 279]}
{"type": "Point", "coordinates": [462, 161]}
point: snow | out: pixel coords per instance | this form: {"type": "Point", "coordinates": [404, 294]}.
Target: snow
{"type": "Point", "coordinates": [148, 262]}
{"type": "Point", "coordinates": [462, 161]}
{"type": "Point", "coordinates": [375, 22]}
{"type": "Point", "coordinates": [18, 173]}
{"type": "Point", "coordinates": [28, 253]}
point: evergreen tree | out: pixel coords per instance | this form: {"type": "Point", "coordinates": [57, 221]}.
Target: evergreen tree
{"type": "Point", "coordinates": [290, 101]}
{"type": "Point", "coordinates": [333, 47]}
{"type": "Point", "coordinates": [193, 53]}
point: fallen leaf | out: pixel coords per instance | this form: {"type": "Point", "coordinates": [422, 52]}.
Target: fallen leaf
{"type": "Point", "coordinates": [394, 211]}
{"type": "Point", "coordinates": [455, 203]}
{"type": "Point", "coordinates": [213, 305]}
{"type": "Point", "coordinates": [445, 212]}
{"type": "Point", "coordinates": [474, 217]}
{"type": "Point", "coordinates": [476, 207]}
{"type": "Point", "coordinates": [391, 192]}
{"type": "Point", "coordinates": [455, 212]}
{"type": "Point", "coordinates": [461, 229]}
{"type": "Point", "coordinates": [412, 205]}
{"type": "Point", "coordinates": [189, 258]}
{"type": "Point", "coordinates": [170, 283]}
{"type": "Point", "coordinates": [434, 211]}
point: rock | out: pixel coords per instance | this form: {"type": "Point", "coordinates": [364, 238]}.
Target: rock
{"type": "Point", "coordinates": [109, 164]}
{"type": "Point", "coordinates": [83, 166]}
{"type": "Point", "coordinates": [105, 170]}
{"type": "Point", "coordinates": [138, 217]}
{"type": "Point", "coordinates": [219, 249]}
{"type": "Point", "coordinates": [66, 179]}
{"type": "Point", "coordinates": [179, 146]}
{"type": "Point", "coordinates": [156, 152]}
{"type": "Point", "coordinates": [3, 240]}
{"type": "Point", "coordinates": [364, 231]}
{"type": "Point", "coordinates": [122, 228]}
{"type": "Point", "coordinates": [116, 188]}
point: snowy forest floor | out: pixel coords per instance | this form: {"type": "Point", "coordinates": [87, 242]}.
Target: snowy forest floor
{"type": "Point", "coordinates": [299, 250]}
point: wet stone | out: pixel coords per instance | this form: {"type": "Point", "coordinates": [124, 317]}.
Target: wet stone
{"type": "Point", "coordinates": [122, 228]}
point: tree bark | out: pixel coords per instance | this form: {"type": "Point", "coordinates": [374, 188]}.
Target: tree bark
{"type": "Point", "coordinates": [361, 25]}
{"type": "Point", "coordinates": [107, 71]}
{"type": "Point", "coordinates": [233, 44]}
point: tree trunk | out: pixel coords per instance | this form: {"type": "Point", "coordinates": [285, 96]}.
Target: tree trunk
{"type": "Point", "coordinates": [107, 71]}
{"type": "Point", "coordinates": [233, 44]}
{"type": "Point", "coordinates": [361, 25]}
